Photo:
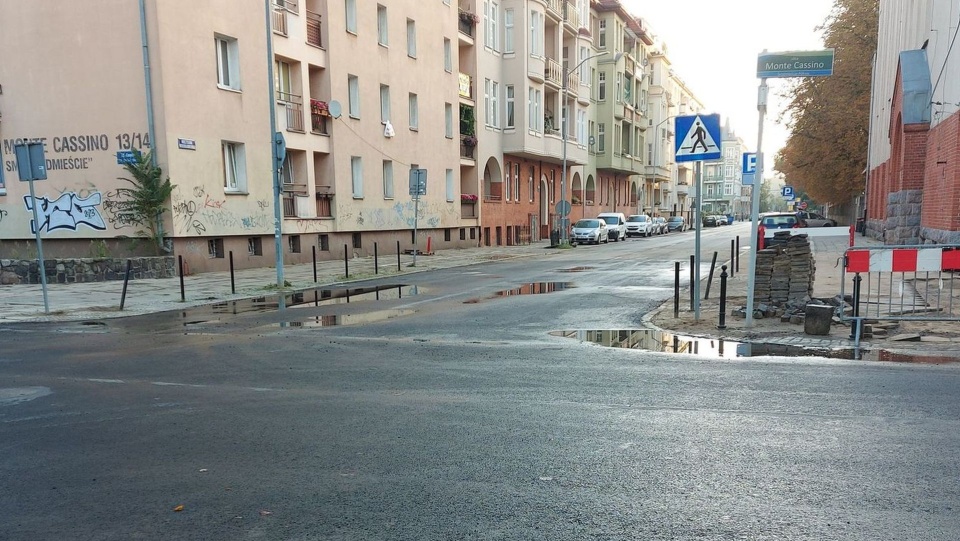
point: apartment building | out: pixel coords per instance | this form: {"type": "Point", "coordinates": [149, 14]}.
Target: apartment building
{"type": "Point", "coordinates": [723, 191]}
{"type": "Point", "coordinates": [362, 93]}
{"type": "Point", "coordinates": [913, 181]}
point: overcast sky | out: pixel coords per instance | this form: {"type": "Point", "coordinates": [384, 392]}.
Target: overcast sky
{"type": "Point", "coordinates": [713, 45]}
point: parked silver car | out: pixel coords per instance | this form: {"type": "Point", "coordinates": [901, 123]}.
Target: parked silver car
{"type": "Point", "coordinates": [639, 225]}
{"type": "Point", "coordinates": [589, 231]}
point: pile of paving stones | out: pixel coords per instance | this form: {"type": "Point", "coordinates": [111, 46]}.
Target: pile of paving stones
{"type": "Point", "coordinates": [785, 270]}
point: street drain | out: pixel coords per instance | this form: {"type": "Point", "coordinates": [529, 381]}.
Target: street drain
{"type": "Point", "coordinates": [664, 342]}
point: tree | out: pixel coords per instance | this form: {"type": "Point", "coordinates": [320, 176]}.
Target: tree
{"type": "Point", "coordinates": [826, 152]}
{"type": "Point", "coordinates": [147, 200]}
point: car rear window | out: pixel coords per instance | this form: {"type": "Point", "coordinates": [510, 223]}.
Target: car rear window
{"type": "Point", "coordinates": [587, 223]}
{"type": "Point", "coordinates": [780, 221]}
{"type": "Point", "coordinates": [637, 219]}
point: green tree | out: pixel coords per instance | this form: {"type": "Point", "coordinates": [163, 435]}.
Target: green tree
{"type": "Point", "coordinates": [147, 200]}
{"type": "Point", "coordinates": [826, 152]}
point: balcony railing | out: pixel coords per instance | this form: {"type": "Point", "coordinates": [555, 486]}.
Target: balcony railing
{"type": "Point", "coordinates": [555, 7]}
{"type": "Point", "coordinates": [467, 150]}
{"type": "Point", "coordinates": [289, 5]}
{"type": "Point", "coordinates": [318, 124]}
{"type": "Point", "coordinates": [468, 210]}
{"type": "Point", "coordinates": [294, 105]}
{"type": "Point", "coordinates": [573, 81]}
{"type": "Point", "coordinates": [553, 72]}
{"type": "Point", "coordinates": [466, 23]}
{"type": "Point", "coordinates": [279, 18]}
{"type": "Point", "coordinates": [314, 37]}
{"type": "Point", "coordinates": [573, 16]}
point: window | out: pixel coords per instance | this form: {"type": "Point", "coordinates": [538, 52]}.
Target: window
{"type": "Point", "coordinates": [293, 242]}
{"type": "Point", "coordinates": [411, 38]}
{"type": "Point", "coordinates": [602, 38]}
{"type": "Point", "coordinates": [414, 111]}
{"type": "Point", "coordinates": [516, 181]}
{"type": "Point", "coordinates": [581, 127]}
{"type": "Point", "coordinates": [728, 189]}
{"type": "Point", "coordinates": [535, 122]}
{"type": "Point", "coordinates": [486, 101]}
{"type": "Point", "coordinates": [508, 31]}
{"type": "Point", "coordinates": [215, 248]}
{"type": "Point", "coordinates": [254, 246]}
{"type": "Point", "coordinates": [495, 104]}
{"type": "Point", "coordinates": [234, 167]}
{"type": "Point", "coordinates": [728, 171]}
{"type": "Point", "coordinates": [387, 179]}
{"type": "Point", "coordinates": [602, 87]}
{"type": "Point", "coordinates": [530, 182]}
{"type": "Point", "coordinates": [447, 56]}
{"type": "Point", "coordinates": [350, 8]}
{"type": "Point", "coordinates": [449, 181]}
{"type": "Point", "coordinates": [619, 95]}
{"type": "Point", "coordinates": [228, 63]}
{"type": "Point", "coordinates": [584, 68]}
{"type": "Point", "coordinates": [357, 241]}
{"type": "Point", "coordinates": [601, 137]}
{"type": "Point", "coordinates": [384, 103]}
{"type": "Point", "coordinates": [324, 241]}
{"type": "Point", "coordinates": [448, 121]}
{"type": "Point", "coordinates": [536, 33]}
{"type": "Point", "coordinates": [508, 192]}
{"type": "Point", "coordinates": [286, 170]}
{"type": "Point", "coordinates": [281, 79]}
{"type": "Point", "coordinates": [511, 120]}
{"type": "Point", "coordinates": [353, 96]}
{"type": "Point", "coordinates": [382, 36]}
{"type": "Point", "coordinates": [490, 17]}
{"type": "Point", "coordinates": [446, 235]}
{"type": "Point", "coordinates": [356, 176]}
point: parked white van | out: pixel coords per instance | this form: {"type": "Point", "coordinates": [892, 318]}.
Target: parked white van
{"type": "Point", "coordinates": [616, 225]}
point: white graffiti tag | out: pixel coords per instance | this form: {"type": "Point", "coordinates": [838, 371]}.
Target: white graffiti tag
{"type": "Point", "coordinates": [66, 212]}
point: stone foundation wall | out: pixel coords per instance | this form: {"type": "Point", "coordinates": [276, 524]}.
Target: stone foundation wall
{"type": "Point", "coordinates": [68, 271]}
{"type": "Point", "coordinates": [785, 270]}
{"type": "Point", "coordinates": [902, 225]}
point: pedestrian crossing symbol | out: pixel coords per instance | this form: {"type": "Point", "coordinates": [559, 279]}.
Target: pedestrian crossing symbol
{"type": "Point", "coordinates": [701, 138]}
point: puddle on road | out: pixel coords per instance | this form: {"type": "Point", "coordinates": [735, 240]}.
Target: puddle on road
{"type": "Point", "coordinates": [663, 342]}
{"type": "Point", "coordinates": [576, 269]}
{"type": "Point", "coordinates": [348, 319]}
{"type": "Point", "coordinates": [533, 288]}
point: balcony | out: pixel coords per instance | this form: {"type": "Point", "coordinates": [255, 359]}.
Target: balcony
{"type": "Point", "coordinates": [292, 6]}
{"type": "Point", "coordinates": [573, 16]}
{"type": "Point", "coordinates": [573, 83]}
{"type": "Point", "coordinates": [468, 147]}
{"type": "Point", "coordinates": [319, 117]}
{"type": "Point", "coordinates": [553, 73]}
{"type": "Point", "coordinates": [466, 86]}
{"type": "Point", "coordinates": [324, 205]}
{"type": "Point", "coordinates": [294, 108]}
{"type": "Point", "coordinates": [279, 21]}
{"type": "Point", "coordinates": [467, 22]}
{"type": "Point", "coordinates": [314, 34]}
{"type": "Point", "coordinates": [555, 8]}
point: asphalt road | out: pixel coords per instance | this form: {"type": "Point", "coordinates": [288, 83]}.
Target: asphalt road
{"type": "Point", "coordinates": [452, 413]}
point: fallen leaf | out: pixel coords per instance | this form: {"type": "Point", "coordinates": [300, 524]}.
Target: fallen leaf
{"type": "Point", "coordinates": [178, 508]}
{"type": "Point", "coordinates": [265, 513]}
{"type": "Point", "coordinates": [203, 470]}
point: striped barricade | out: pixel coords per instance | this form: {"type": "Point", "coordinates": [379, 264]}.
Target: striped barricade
{"type": "Point", "coordinates": [902, 283]}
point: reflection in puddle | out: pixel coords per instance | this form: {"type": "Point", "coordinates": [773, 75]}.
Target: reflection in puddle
{"type": "Point", "coordinates": [533, 288]}
{"type": "Point", "coordinates": [663, 342]}
{"type": "Point", "coordinates": [350, 319]}
{"type": "Point", "coordinates": [576, 269]}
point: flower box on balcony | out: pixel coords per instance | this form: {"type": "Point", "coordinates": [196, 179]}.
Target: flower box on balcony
{"type": "Point", "coordinates": [468, 198]}
{"type": "Point", "coordinates": [469, 18]}
{"type": "Point", "coordinates": [318, 107]}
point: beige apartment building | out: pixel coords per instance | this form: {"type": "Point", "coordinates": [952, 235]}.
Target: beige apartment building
{"type": "Point", "coordinates": [73, 77]}
{"type": "Point", "coordinates": [474, 92]}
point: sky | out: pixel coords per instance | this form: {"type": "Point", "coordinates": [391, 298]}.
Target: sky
{"type": "Point", "coordinates": [713, 47]}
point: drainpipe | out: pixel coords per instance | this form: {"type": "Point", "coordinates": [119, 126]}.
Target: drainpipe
{"type": "Point", "coordinates": [866, 182]}
{"type": "Point", "coordinates": [148, 85]}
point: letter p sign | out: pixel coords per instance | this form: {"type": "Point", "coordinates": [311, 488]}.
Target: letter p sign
{"type": "Point", "coordinates": [749, 163]}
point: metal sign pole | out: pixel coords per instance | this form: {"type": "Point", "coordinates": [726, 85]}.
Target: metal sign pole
{"type": "Point", "coordinates": [698, 172]}
{"type": "Point", "coordinates": [416, 219]}
{"type": "Point", "coordinates": [36, 231]}
{"type": "Point", "coordinates": [755, 203]}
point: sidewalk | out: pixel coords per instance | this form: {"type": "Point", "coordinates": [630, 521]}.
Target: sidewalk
{"type": "Point", "coordinates": [96, 300]}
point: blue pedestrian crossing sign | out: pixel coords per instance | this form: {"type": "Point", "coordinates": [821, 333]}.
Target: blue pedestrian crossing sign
{"type": "Point", "coordinates": [698, 138]}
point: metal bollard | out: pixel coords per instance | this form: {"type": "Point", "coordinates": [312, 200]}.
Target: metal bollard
{"type": "Point", "coordinates": [376, 261]}
{"type": "Point", "coordinates": [693, 262]}
{"type": "Point", "coordinates": [738, 255]}
{"type": "Point", "coordinates": [398, 256]}
{"type": "Point", "coordinates": [183, 297]}
{"type": "Point", "coordinates": [676, 290]}
{"type": "Point", "coordinates": [723, 298]}
{"type": "Point", "coordinates": [713, 267]}
{"type": "Point", "coordinates": [346, 264]}
{"type": "Point", "coordinates": [126, 278]}
{"type": "Point", "coordinates": [733, 254]}
{"type": "Point", "coordinates": [855, 325]}
{"type": "Point", "coordinates": [233, 282]}
{"type": "Point", "coordinates": [314, 250]}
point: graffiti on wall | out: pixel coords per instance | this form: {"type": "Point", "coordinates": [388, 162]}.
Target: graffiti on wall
{"type": "Point", "coordinates": [66, 212]}
{"type": "Point", "coordinates": [195, 211]}
{"type": "Point", "coordinates": [401, 216]}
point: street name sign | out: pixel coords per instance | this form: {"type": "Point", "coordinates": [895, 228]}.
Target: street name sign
{"type": "Point", "coordinates": [795, 64]}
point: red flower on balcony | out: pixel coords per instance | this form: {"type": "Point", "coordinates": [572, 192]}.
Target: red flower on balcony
{"type": "Point", "coordinates": [469, 198]}
{"type": "Point", "coordinates": [469, 18]}
{"type": "Point", "coordinates": [318, 107]}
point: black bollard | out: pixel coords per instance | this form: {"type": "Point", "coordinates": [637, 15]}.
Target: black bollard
{"type": "Point", "coordinates": [737, 265]}
{"type": "Point", "coordinates": [376, 260]}
{"type": "Point", "coordinates": [723, 298]}
{"type": "Point", "coordinates": [183, 296]}
{"type": "Point", "coordinates": [676, 290]}
{"type": "Point", "coordinates": [398, 256]}
{"type": "Point", "coordinates": [692, 278]}
{"type": "Point", "coordinates": [733, 254]}
{"type": "Point", "coordinates": [855, 326]}
{"type": "Point", "coordinates": [713, 266]}
{"type": "Point", "coordinates": [126, 278]}
{"type": "Point", "coordinates": [313, 249]}
{"type": "Point", "coordinates": [346, 264]}
{"type": "Point", "coordinates": [233, 283]}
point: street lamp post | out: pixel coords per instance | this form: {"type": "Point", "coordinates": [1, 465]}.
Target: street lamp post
{"type": "Point", "coordinates": [656, 151]}
{"type": "Point", "coordinates": [563, 134]}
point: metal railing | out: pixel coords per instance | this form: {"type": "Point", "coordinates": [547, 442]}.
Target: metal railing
{"type": "Point", "coordinates": [555, 7]}
{"type": "Point", "coordinates": [573, 16]}
{"type": "Point", "coordinates": [314, 35]}
{"type": "Point", "coordinates": [294, 106]}
{"type": "Point", "coordinates": [553, 72]}
{"type": "Point", "coordinates": [279, 20]}
{"type": "Point", "coordinates": [318, 124]}
{"type": "Point", "coordinates": [293, 6]}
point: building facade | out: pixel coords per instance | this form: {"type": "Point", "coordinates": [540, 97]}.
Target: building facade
{"type": "Point", "coordinates": [913, 182]}
{"type": "Point", "coordinates": [490, 97]}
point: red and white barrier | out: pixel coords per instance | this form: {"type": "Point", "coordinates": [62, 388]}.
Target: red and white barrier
{"type": "Point", "coordinates": [902, 260]}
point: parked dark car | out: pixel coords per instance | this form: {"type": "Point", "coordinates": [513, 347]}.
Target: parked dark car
{"type": "Point", "coordinates": [709, 221]}
{"type": "Point", "coordinates": [782, 220]}
{"type": "Point", "coordinates": [677, 223]}
{"type": "Point", "coordinates": [816, 220]}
